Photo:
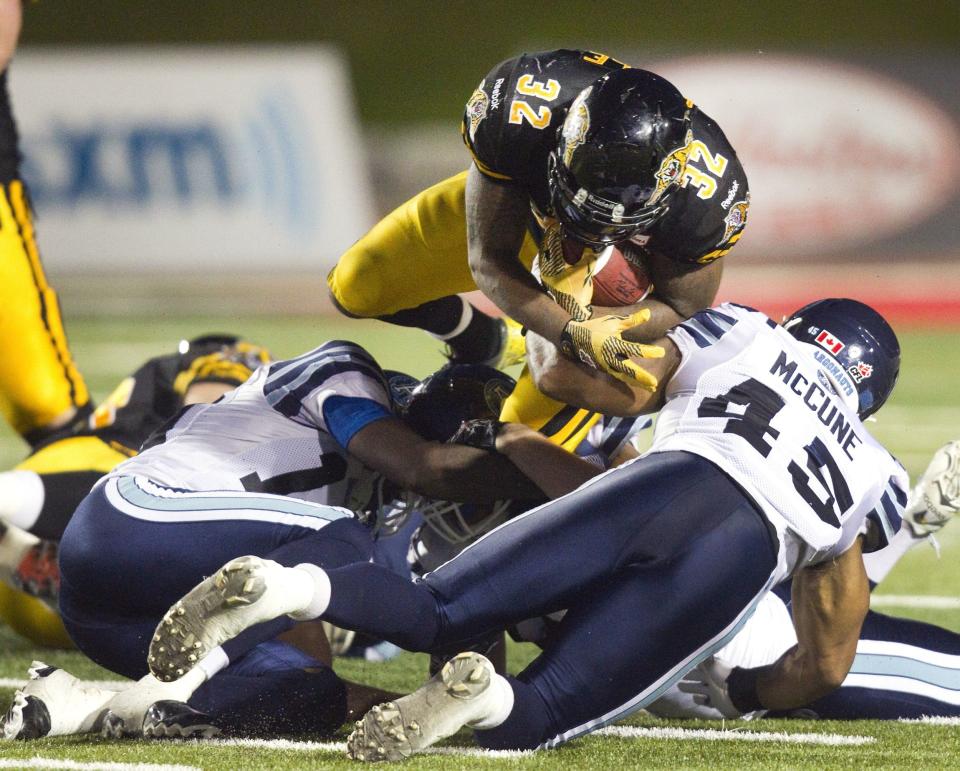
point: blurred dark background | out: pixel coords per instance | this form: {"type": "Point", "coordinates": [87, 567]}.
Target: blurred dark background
{"type": "Point", "coordinates": [415, 60]}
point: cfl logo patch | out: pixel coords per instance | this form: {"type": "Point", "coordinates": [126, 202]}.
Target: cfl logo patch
{"type": "Point", "coordinates": [831, 343]}
{"type": "Point", "coordinates": [860, 371]}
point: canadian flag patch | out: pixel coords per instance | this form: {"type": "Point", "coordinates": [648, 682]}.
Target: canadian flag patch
{"type": "Point", "coordinates": [828, 341]}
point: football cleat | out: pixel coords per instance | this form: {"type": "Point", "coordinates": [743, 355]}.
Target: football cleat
{"type": "Point", "coordinates": [936, 497]}
{"type": "Point", "coordinates": [244, 592]}
{"type": "Point", "coordinates": [54, 703]}
{"type": "Point", "coordinates": [514, 348]}
{"type": "Point", "coordinates": [177, 720]}
{"type": "Point", "coordinates": [128, 708]}
{"type": "Point", "coordinates": [449, 701]}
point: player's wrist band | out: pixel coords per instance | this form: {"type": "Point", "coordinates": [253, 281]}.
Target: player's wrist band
{"type": "Point", "coordinates": [742, 689]}
{"type": "Point", "coordinates": [567, 348]}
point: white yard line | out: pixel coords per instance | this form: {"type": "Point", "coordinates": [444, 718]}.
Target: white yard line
{"type": "Point", "coordinates": [914, 601]}
{"type": "Point", "coordinates": [932, 720]}
{"type": "Point", "coordinates": [736, 735]}
{"type": "Point", "coordinates": [40, 762]}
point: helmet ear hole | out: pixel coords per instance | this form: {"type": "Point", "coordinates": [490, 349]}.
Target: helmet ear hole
{"type": "Point", "coordinates": [856, 346]}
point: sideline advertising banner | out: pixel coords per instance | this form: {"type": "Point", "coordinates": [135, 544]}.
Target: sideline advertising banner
{"type": "Point", "coordinates": [203, 159]}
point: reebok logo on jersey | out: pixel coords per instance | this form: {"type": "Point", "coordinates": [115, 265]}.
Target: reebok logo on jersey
{"type": "Point", "coordinates": [828, 341]}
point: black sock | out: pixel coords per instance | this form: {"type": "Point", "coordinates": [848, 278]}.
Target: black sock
{"type": "Point", "coordinates": [62, 493]}
{"type": "Point", "coordinates": [473, 336]}
{"type": "Point", "coordinates": [438, 317]}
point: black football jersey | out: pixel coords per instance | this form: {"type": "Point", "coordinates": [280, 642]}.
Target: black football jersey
{"type": "Point", "coordinates": [145, 400]}
{"type": "Point", "coordinates": [9, 153]}
{"type": "Point", "coordinates": [511, 124]}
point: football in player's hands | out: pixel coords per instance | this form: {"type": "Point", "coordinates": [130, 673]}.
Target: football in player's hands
{"type": "Point", "coordinates": [618, 282]}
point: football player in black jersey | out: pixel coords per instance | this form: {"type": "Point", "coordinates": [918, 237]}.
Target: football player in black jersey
{"type": "Point", "coordinates": [572, 151]}
{"type": "Point", "coordinates": [41, 390]}
{"type": "Point", "coordinates": [39, 496]}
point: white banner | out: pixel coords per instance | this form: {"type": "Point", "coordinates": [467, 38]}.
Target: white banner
{"type": "Point", "coordinates": [145, 159]}
{"type": "Point", "coordinates": [838, 157]}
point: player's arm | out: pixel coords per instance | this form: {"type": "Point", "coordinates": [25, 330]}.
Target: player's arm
{"type": "Point", "coordinates": [679, 292]}
{"type": "Point", "coordinates": [556, 471]}
{"type": "Point", "coordinates": [829, 602]}
{"type": "Point", "coordinates": [496, 215]}
{"type": "Point", "coordinates": [444, 471]}
{"type": "Point", "coordinates": [567, 381]}
{"type": "Point", "coordinates": [10, 20]}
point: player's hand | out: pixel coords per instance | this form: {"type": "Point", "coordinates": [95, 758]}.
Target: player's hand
{"type": "Point", "coordinates": [569, 285]}
{"type": "Point", "coordinates": [708, 685]}
{"type": "Point", "coordinates": [481, 433]}
{"type": "Point", "coordinates": [599, 343]}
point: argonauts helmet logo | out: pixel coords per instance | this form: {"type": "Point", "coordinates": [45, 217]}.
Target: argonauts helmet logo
{"type": "Point", "coordinates": [576, 125]}
{"type": "Point", "coordinates": [477, 107]}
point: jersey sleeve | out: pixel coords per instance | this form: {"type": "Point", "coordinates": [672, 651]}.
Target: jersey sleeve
{"type": "Point", "coordinates": [708, 214]}
{"type": "Point", "coordinates": [885, 519]}
{"type": "Point", "coordinates": [510, 121]}
{"type": "Point", "coordinates": [299, 388]}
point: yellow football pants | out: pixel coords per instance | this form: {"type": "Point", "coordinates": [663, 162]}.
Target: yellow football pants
{"type": "Point", "coordinates": [38, 378]}
{"type": "Point", "coordinates": [26, 615]}
{"type": "Point", "coordinates": [418, 253]}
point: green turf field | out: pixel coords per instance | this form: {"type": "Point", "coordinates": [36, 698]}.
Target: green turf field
{"type": "Point", "coordinates": [922, 415]}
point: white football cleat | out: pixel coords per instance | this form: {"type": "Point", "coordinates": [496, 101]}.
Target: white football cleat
{"type": "Point", "coordinates": [936, 498]}
{"type": "Point", "coordinates": [126, 710]}
{"type": "Point", "coordinates": [244, 592]}
{"type": "Point", "coordinates": [457, 696]}
{"type": "Point", "coordinates": [54, 703]}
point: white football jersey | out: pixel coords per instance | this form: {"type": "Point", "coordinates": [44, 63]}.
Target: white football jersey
{"type": "Point", "coordinates": [759, 404]}
{"type": "Point", "coordinates": [269, 434]}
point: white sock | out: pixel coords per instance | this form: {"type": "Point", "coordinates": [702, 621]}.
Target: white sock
{"type": "Point", "coordinates": [466, 316]}
{"type": "Point", "coordinates": [313, 584]}
{"type": "Point", "coordinates": [880, 563]}
{"type": "Point", "coordinates": [14, 545]}
{"type": "Point", "coordinates": [212, 663]}
{"type": "Point", "coordinates": [498, 704]}
{"type": "Point", "coordinates": [21, 497]}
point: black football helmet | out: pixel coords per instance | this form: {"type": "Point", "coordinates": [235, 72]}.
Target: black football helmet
{"type": "Point", "coordinates": [620, 157]}
{"type": "Point", "coordinates": [453, 394]}
{"type": "Point", "coordinates": [859, 340]}
{"type": "Point", "coordinates": [437, 407]}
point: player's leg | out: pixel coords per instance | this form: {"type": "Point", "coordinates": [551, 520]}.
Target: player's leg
{"type": "Point", "coordinates": [641, 512]}
{"type": "Point", "coordinates": [40, 387]}
{"type": "Point", "coordinates": [903, 669]}
{"type": "Point", "coordinates": [618, 648]}
{"type": "Point", "coordinates": [160, 543]}
{"type": "Point", "coordinates": [410, 268]}
{"type": "Point", "coordinates": [273, 689]}
{"type": "Point", "coordinates": [562, 424]}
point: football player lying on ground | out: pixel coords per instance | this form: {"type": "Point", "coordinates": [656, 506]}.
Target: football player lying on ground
{"type": "Point", "coordinates": [39, 496]}
{"type": "Point", "coordinates": [449, 527]}
{"type": "Point", "coordinates": [760, 471]}
{"type": "Point", "coordinates": [254, 471]}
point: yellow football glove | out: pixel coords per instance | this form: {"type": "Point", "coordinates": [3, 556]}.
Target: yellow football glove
{"type": "Point", "coordinates": [570, 286]}
{"type": "Point", "coordinates": [599, 343]}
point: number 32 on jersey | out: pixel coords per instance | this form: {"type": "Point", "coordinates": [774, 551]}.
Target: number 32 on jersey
{"type": "Point", "coordinates": [521, 110]}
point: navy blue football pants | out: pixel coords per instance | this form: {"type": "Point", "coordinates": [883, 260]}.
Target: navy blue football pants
{"type": "Point", "coordinates": [658, 562]}
{"type": "Point", "coordinates": [129, 553]}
